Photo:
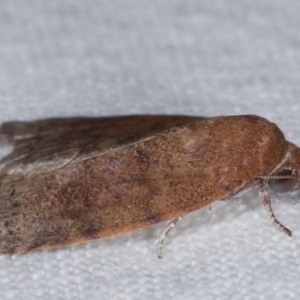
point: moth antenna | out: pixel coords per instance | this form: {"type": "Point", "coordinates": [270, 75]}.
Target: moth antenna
{"type": "Point", "coordinates": [293, 175]}
{"type": "Point", "coordinates": [163, 236]}
{"type": "Point", "coordinates": [265, 200]}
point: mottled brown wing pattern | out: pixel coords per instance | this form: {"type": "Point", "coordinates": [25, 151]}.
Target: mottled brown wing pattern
{"type": "Point", "coordinates": [42, 150]}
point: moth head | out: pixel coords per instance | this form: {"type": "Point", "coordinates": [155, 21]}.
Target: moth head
{"type": "Point", "coordinates": [287, 177]}
{"type": "Point", "coordinates": [285, 180]}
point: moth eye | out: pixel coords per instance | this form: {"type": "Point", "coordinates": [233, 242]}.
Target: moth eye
{"type": "Point", "coordinates": [283, 185]}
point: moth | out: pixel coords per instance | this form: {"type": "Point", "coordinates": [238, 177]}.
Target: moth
{"type": "Point", "coordinates": [72, 180]}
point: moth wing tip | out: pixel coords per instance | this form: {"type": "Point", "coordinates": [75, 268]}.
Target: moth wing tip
{"type": "Point", "coordinates": [3, 135]}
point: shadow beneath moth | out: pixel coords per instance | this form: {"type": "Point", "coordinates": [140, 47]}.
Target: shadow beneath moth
{"type": "Point", "coordinates": [72, 180]}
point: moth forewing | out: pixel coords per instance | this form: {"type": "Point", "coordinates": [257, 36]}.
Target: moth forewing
{"type": "Point", "coordinates": [72, 180]}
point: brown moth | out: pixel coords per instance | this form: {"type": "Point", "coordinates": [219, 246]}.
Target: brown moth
{"type": "Point", "coordinates": [72, 180]}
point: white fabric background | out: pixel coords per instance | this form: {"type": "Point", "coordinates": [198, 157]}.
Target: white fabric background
{"type": "Point", "coordinates": [92, 58]}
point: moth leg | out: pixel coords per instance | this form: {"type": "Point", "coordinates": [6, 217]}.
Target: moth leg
{"type": "Point", "coordinates": [163, 236]}
{"type": "Point", "coordinates": [265, 200]}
